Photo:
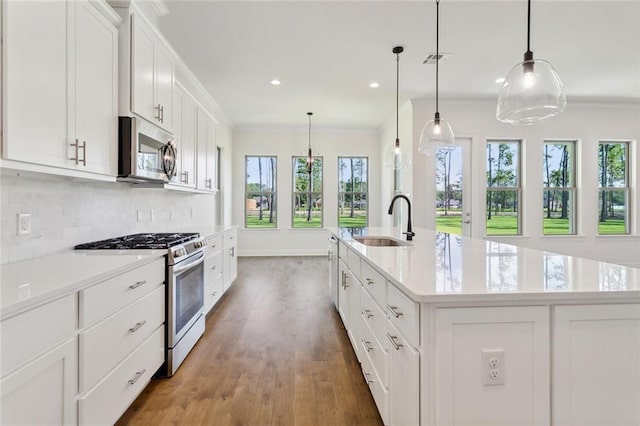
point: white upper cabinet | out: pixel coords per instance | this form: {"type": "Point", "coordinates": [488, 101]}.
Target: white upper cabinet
{"type": "Point", "coordinates": [61, 84]}
{"type": "Point", "coordinates": [207, 152]}
{"type": "Point", "coordinates": [185, 114]}
{"type": "Point", "coordinates": [152, 75]}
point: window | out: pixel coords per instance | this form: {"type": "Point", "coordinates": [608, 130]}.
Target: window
{"type": "Point", "coordinates": [353, 185]}
{"type": "Point", "coordinates": [560, 192]}
{"type": "Point", "coordinates": [307, 193]}
{"type": "Point", "coordinates": [260, 192]}
{"type": "Point", "coordinates": [503, 188]}
{"type": "Point", "coordinates": [613, 177]}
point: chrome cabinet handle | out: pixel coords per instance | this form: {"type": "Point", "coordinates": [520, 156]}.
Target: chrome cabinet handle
{"type": "Point", "coordinates": [367, 380]}
{"type": "Point", "coordinates": [158, 117]}
{"type": "Point", "coordinates": [369, 281]}
{"type": "Point", "coordinates": [137, 376]}
{"type": "Point", "coordinates": [213, 267]}
{"type": "Point", "coordinates": [367, 313]}
{"type": "Point", "coordinates": [367, 345]}
{"type": "Point", "coordinates": [394, 311]}
{"type": "Point", "coordinates": [209, 183]}
{"type": "Point", "coordinates": [214, 293]}
{"type": "Point", "coordinates": [185, 177]}
{"type": "Point", "coordinates": [395, 344]}
{"type": "Point", "coordinates": [77, 147]}
{"type": "Point", "coordinates": [137, 284]}
{"type": "Point", "coordinates": [233, 252]}
{"type": "Point", "coordinates": [137, 326]}
{"type": "Point", "coordinates": [84, 153]}
{"type": "Point", "coordinates": [162, 114]}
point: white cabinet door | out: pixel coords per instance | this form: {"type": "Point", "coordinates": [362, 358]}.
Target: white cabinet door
{"type": "Point", "coordinates": [212, 154]}
{"type": "Point", "coordinates": [143, 71]}
{"type": "Point", "coordinates": [343, 294]}
{"type": "Point", "coordinates": [230, 265]}
{"type": "Point", "coordinates": [207, 150]}
{"type": "Point", "coordinates": [404, 380]}
{"type": "Point", "coordinates": [596, 365]}
{"type": "Point", "coordinates": [96, 113]}
{"type": "Point", "coordinates": [35, 64]}
{"type": "Point", "coordinates": [164, 73]}
{"type": "Point", "coordinates": [187, 144]}
{"type": "Point", "coordinates": [43, 391]}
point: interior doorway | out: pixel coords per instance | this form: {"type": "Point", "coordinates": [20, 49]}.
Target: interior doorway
{"type": "Point", "coordinates": [453, 188]}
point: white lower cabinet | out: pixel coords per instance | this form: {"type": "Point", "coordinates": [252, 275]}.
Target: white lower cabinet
{"type": "Point", "coordinates": [43, 392]}
{"type": "Point", "coordinates": [404, 380]}
{"type": "Point", "coordinates": [596, 365]}
{"type": "Point", "coordinates": [376, 386]}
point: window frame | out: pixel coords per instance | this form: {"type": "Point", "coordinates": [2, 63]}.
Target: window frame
{"type": "Point", "coordinates": [517, 189]}
{"type": "Point", "coordinates": [573, 189]}
{"type": "Point", "coordinates": [352, 193]}
{"type": "Point", "coordinates": [261, 193]}
{"type": "Point", "coordinates": [294, 193]}
{"type": "Point", "coordinates": [626, 188]}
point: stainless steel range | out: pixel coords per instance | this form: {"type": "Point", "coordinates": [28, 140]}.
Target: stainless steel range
{"type": "Point", "coordinates": [185, 286]}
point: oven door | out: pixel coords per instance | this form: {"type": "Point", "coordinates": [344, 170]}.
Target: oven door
{"type": "Point", "coordinates": [186, 296]}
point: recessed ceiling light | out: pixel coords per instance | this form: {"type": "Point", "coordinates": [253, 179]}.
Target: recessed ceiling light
{"type": "Point", "coordinates": [499, 80]}
{"type": "Point", "coordinates": [374, 85]}
{"type": "Point", "coordinates": [275, 82]}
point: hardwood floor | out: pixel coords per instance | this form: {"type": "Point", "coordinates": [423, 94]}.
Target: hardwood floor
{"type": "Point", "coordinates": [274, 353]}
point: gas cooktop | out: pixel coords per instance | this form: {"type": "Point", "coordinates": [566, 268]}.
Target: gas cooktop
{"type": "Point", "coordinates": [141, 241]}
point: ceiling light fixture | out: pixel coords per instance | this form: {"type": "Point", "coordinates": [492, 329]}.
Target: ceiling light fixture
{"type": "Point", "coordinates": [396, 156]}
{"type": "Point", "coordinates": [374, 85]}
{"type": "Point", "coordinates": [309, 156]}
{"type": "Point", "coordinates": [437, 133]}
{"type": "Point", "coordinates": [532, 91]}
{"type": "Point", "coordinates": [275, 82]}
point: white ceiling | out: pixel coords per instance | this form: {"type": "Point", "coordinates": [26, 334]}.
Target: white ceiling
{"type": "Point", "coordinates": [327, 52]}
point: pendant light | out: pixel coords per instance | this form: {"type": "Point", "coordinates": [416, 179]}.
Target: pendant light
{"type": "Point", "coordinates": [437, 133]}
{"type": "Point", "coordinates": [309, 156]}
{"type": "Point", "coordinates": [397, 157]}
{"type": "Point", "coordinates": [532, 91]}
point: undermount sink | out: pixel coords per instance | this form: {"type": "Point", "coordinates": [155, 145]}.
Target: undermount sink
{"type": "Point", "coordinates": [380, 241]}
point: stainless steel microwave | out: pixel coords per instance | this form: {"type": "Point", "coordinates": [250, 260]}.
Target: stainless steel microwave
{"type": "Point", "coordinates": [146, 152]}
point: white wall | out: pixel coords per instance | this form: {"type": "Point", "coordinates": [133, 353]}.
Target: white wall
{"type": "Point", "coordinates": [67, 212]}
{"type": "Point", "coordinates": [286, 143]}
{"type": "Point", "coordinates": [586, 123]}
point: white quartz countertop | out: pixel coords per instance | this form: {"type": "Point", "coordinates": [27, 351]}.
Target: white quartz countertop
{"type": "Point", "coordinates": [31, 282]}
{"type": "Point", "coordinates": [438, 267]}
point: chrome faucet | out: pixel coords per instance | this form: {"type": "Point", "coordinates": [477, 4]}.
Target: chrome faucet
{"type": "Point", "coordinates": [410, 234]}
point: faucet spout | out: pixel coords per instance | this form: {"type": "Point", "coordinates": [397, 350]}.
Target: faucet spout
{"type": "Point", "coordinates": [410, 234]}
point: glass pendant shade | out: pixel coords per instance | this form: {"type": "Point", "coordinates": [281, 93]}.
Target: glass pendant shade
{"type": "Point", "coordinates": [436, 135]}
{"type": "Point", "coordinates": [532, 92]}
{"type": "Point", "coordinates": [397, 157]}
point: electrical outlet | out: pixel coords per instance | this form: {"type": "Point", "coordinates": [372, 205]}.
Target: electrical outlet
{"type": "Point", "coordinates": [152, 215]}
{"type": "Point", "coordinates": [24, 223]}
{"type": "Point", "coordinates": [139, 214]}
{"type": "Point", "coordinates": [492, 367]}
{"type": "Point", "coordinates": [191, 213]}
{"type": "Point", "coordinates": [172, 213]}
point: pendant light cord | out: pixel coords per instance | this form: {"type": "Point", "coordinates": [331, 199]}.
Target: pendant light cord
{"type": "Point", "coordinates": [437, 48]}
{"type": "Point", "coordinates": [528, 25]}
{"type": "Point", "coordinates": [397, 96]}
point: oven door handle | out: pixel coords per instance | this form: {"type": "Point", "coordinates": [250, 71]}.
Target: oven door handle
{"type": "Point", "coordinates": [182, 267]}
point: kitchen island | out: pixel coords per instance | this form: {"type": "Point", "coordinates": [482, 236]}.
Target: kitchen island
{"type": "Point", "coordinates": [452, 330]}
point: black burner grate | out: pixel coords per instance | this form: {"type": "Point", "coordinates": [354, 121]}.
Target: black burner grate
{"type": "Point", "coordinates": [141, 241]}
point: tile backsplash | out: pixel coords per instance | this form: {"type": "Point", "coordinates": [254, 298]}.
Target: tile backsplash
{"type": "Point", "coordinates": [65, 212]}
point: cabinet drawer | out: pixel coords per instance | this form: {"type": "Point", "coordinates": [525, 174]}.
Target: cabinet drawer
{"type": "Point", "coordinates": [374, 282]}
{"type": "Point", "coordinates": [375, 352]}
{"type": "Point", "coordinates": [379, 392]}
{"type": "Point", "coordinates": [353, 261]}
{"type": "Point", "coordinates": [35, 331]}
{"type": "Point", "coordinates": [212, 267]}
{"type": "Point", "coordinates": [404, 314]}
{"type": "Point", "coordinates": [373, 316]}
{"type": "Point", "coordinates": [110, 341]}
{"type": "Point", "coordinates": [102, 299]}
{"type": "Point", "coordinates": [212, 293]}
{"type": "Point", "coordinates": [106, 403]}
{"type": "Point", "coordinates": [214, 243]}
{"type": "Point", "coordinates": [229, 237]}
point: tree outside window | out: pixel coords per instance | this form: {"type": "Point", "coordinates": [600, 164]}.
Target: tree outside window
{"type": "Point", "coordinates": [613, 166]}
{"type": "Point", "coordinates": [260, 192]}
{"type": "Point", "coordinates": [307, 193]}
{"type": "Point", "coordinates": [559, 194]}
{"type": "Point", "coordinates": [503, 188]}
{"type": "Point", "coordinates": [353, 187]}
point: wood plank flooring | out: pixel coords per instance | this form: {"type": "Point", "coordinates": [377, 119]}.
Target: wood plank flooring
{"type": "Point", "coordinates": [274, 353]}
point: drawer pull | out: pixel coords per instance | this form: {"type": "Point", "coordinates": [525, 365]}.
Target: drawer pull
{"type": "Point", "coordinates": [137, 376]}
{"type": "Point", "coordinates": [395, 344]}
{"type": "Point", "coordinates": [369, 281]}
{"type": "Point", "coordinates": [213, 267]}
{"type": "Point", "coordinates": [367, 380]}
{"type": "Point", "coordinates": [394, 311]}
{"type": "Point", "coordinates": [137, 284]}
{"type": "Point", "coordinates": [367, 345]}
{"type": "Point", "coordinates": [137, 326]}
{"type": "Point", "coordinates": [367, 313]}
{"type": "Point", "coordinates": [214, 293]}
